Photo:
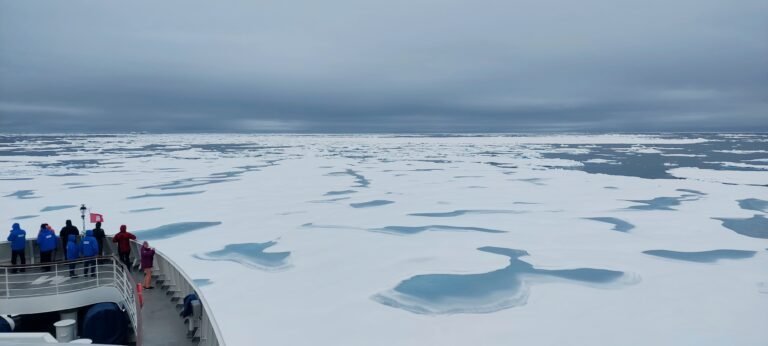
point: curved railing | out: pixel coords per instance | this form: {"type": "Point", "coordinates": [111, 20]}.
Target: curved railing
{"type": "Point", "coordinates": [167, 273]}
{"type": "Point", "coordinates": [62, 285]}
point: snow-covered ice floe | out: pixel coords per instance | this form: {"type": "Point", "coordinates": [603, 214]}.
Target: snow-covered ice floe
{"type": "Point", "coordinates": [373, 239]}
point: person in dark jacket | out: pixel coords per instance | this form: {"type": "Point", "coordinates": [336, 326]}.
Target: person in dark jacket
{"type": "Point", "coordinates": [46, 241]}
{"type": "Point", "coordinates": [99, 234]}
{"type": "Point", "coordinates": [89, 248]}
{"type": "Point", "coordinates": [187, 310]}
{"type": "Point", "coordinates": [66, 231]}
{"type": "Point", "coordinates": [73, 253]}
{"type": "Point", "coordinates": [147, 259]}
{"type": "Point", "coordinates": [18, 239]}
{"type": "Point", "coordinates": [123, 240]}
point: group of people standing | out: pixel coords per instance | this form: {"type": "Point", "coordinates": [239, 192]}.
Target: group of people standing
{"type": "Point", "coordinates": [90, 245]}
{"type": "Point", "coordinates": [74, 247]}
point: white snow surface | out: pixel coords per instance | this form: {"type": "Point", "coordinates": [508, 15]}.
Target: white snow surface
{"type": "Point", "coordinates": [324, 297]}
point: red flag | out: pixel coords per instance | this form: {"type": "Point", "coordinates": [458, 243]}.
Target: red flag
{"type": "Point", "coordinates": [96, 218]}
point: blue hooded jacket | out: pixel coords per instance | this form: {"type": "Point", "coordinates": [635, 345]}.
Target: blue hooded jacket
{"type": "Point", "coordinates": [18, 238]}
{"type": "Point", "coordinates": [73, 252]}
{"type": "Point", "coordinates": [89, 246]}
{"type": "Point", "coordinates": [46, 240]}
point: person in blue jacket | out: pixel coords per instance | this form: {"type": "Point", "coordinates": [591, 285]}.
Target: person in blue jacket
{"type": "Point", "coordinates": [46, 240]}
{"type": "Point", "coordinates": [89, 247]}
{"type": "Point", "coordinates": [18, 239]}
{"type": "Point", "coordinates": [73, 253]}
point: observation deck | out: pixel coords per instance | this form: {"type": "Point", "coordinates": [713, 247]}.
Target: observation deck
{"type": "Point", "coordinates": [49, 287]}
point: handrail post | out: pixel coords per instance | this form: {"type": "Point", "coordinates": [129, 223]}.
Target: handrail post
{"type": "Point", "coordinates": [7, 286]}
{"type": "Point", "coordinates": [56, 275]}
{"type": "Point", "coordinates": [96, 268]}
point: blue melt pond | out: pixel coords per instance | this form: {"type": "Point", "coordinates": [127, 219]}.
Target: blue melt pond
{"type": "Point", "coordinates": [697, 192]}
{"type": "Point", "coordinates": [57, 207]}
{"type": "Point", "coordinates": [188, 183]}
{"type": "Point", "coordinates": [148, 195]}
{"type": "Point", "coordinates": [202, 282]}
{"type": "Point", "coordinates": [172, 230]}
{"type": "Point", "coordinates": [484, 292]}
{"type": "Point", "coordinates": [336, 193]}
{"type": "Point", "coordinates": [374, 203]}
{"type": "Point", "coordinates": [360, 179]}
{"type": "Point", "coordinates": [465, 212]}
{"type": "Point", "coordinates": [80, 186]}
{"type": "Point", "coordinates": [618, 224]}
{"type": "Point", "coordinates": [23, 194]}
{"type": "Point", "coordinates": [702, 256]}
{"type": "Point", "coordinates": [534, 181]}
{"type": "Point", "coordinates": [251, 255]}
{"type": "Point", "coordinates": [753, 204]}
{"type": "Point", "coordinates": [330, 200]}
{"type": "Point", "coordinates": [755, 227]}
{"type": "Point", "coordinates": [660, 203]}
{"type": "Point", "coordinates": [66, 175]}
{"type": "Point", "coordinates": [419, 229]}
{"type": "Point", "coordinates": [144, 210]}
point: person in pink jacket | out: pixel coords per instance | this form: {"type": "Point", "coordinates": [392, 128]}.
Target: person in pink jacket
{"type": "Point", "coordinates": [147, 257]}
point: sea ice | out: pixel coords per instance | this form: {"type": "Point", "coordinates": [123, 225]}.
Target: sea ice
{"type": "Point", "coordinates": [293, 189]}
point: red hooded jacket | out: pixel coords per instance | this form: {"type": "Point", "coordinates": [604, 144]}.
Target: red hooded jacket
{"type": "Point", "coordinates": [123, 240]}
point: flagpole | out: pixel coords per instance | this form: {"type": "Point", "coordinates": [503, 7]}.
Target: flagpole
{"type": "Point", "coordinates": [82, 216]}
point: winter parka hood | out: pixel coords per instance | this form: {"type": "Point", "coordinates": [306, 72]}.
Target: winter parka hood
{"type": "Point", "coordinates": [18, 238]}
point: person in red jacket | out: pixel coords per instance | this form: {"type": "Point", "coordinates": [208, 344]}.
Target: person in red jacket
{"type": "Point", "coordinates": [123, 240]}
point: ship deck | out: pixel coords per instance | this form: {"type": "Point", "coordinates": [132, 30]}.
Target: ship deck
{"type": "Point", "coordinates": [162, 325]}
{"type": "Point", "coordinates": [158, 321]}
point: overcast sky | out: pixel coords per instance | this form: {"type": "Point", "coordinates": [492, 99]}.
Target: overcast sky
{"type": "Point", "coordinates": [383, 66]}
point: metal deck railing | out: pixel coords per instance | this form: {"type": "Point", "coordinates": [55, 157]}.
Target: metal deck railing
{"type": "Point", "coordinates": [110, 273]}
{"type": "Point", "coordinates": [65, 277]}
{"type": "Point", "coordinates": [179, 285]}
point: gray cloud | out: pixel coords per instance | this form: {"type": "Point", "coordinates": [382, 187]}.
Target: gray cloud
{"type": "Point", "coordinates": [349, 66]}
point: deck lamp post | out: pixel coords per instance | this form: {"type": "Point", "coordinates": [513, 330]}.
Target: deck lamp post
{"type": "Point", "coordinates": [82, 215]}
